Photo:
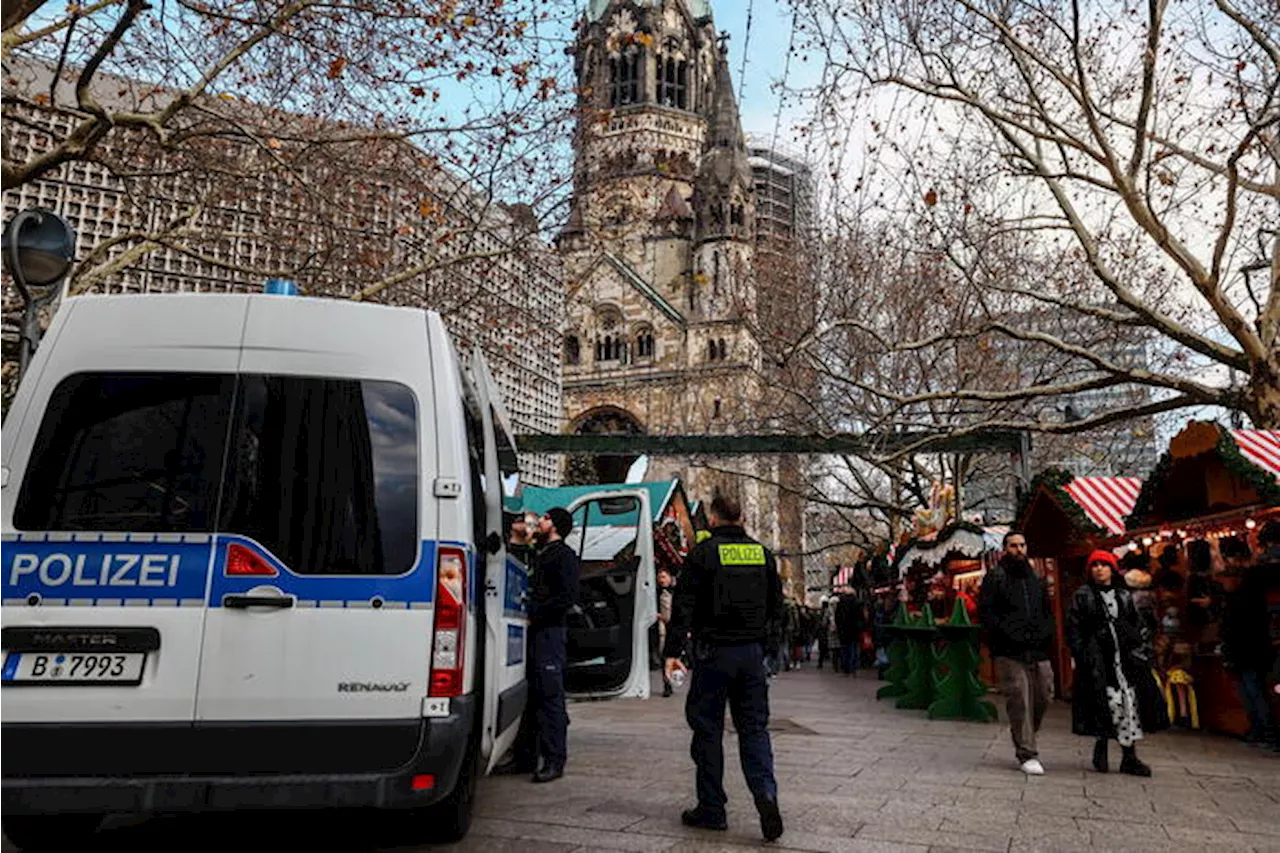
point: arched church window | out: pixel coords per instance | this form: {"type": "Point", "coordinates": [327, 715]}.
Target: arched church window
{"type": "Point", "coordinates": [715, 274]}
{"type": "Point", "coordinates": [724, 352]}
{"type": "Point", "coordinates": [673, 82]}
{"type": "Point", "coordinates": [715, 413]}
{"type": "Point", "coordinates": [735, 214]}
{"type": "Point", "coordinates": [644, 344]}
{"type": "Point", "coordinates": [712, 352]}
{"type": "Point", "coordinates": [572, 350]}
{"type": "Point", "coordinates": [624, 79]}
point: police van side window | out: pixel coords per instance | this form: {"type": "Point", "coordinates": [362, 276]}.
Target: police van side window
{"type": "Point", "coordinates": [128, 452]}
{"type": "Point", "coordinates": [324, 474]}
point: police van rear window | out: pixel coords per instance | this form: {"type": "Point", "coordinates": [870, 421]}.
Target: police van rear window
{"type": "Point", "coordinates": [322, 472]}
{"type": "Point", "coordinates": [128, 452]}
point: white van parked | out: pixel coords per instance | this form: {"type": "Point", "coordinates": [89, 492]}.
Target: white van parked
{"type": "Point", "coordinates": [253, 557]}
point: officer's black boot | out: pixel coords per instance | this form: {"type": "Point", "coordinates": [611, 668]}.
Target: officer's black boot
{"type": "Point", "coordinates": [701, 818]}
{"type": "Point", "coordinates": [548, 773]}
{"type": "Point", "coordinates": [770, 819]}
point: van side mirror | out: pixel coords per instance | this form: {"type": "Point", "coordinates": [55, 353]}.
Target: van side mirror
{"type": "Point", "coordinates": [493, 544]}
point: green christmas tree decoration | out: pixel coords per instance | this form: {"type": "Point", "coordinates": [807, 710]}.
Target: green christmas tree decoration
{"type": "Point", "coordinates": [898, 669]}
{"type": "Point", "coordinates": [959, 692]}
{"type": "Point", "coordinates": [921, 635]}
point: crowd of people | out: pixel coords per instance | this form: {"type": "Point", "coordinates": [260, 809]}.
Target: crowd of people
{"type": "Point", "coordinates": [1111, 630]}
{"type": "Point", "coordinates": [846, 632]}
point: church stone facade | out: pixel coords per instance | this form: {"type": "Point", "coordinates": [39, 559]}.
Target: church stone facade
{"type": "Point", "coordinates": [661, 293]}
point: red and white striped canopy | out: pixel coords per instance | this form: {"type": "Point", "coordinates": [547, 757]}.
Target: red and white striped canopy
{"type": "Point", "coordinates": [1106, 500]}
{"type": "Point", "coordinates": [1261, 447]}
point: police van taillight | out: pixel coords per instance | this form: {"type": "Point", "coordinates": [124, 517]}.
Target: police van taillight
{"type": "Point", "coordinates": [450, 618]}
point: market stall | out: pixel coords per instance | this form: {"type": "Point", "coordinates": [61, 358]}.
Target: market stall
{"type": "Point", "coordinates": [1194, 529]}
{"type": "Point", "coordinates": [1064, 518]}
{"type": "Point", "coordinates": [937, 569]}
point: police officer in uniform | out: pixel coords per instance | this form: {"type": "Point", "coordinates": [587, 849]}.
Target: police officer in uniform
{"type": "Point", "coordinates": [554, 593]}
{"type": "Point", "coordinates": [728, 597]}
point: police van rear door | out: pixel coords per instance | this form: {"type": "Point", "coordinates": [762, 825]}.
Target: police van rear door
{"type": "Point", "coordinates": [113, 451]}
{"type": "Point", "coordinates": [317, 639]}
{"type": "Point", "coordinates": [608, 638]}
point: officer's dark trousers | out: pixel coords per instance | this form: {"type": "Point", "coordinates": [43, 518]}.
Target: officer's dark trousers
{"type": "Point", "coordinates": [526, 746]}
{"type": "Point", "coordinates": [733, 674]}
{"type": "Point", "coordinates": [548, 659]}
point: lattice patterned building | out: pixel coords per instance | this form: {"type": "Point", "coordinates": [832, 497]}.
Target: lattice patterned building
{"type": "Point", "coordinates": [508, 300]}
{"type": "Point", "coordinates": [662, 295]}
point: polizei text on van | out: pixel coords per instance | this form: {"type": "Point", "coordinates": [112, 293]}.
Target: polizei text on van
{"type": "Point", "coordinates": [83, 570]}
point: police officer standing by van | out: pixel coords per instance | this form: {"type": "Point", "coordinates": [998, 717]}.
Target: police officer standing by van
{"type": "Point", "coordinates": [728, 597]}
{"type": "Point", "coordinates": [555, 592]}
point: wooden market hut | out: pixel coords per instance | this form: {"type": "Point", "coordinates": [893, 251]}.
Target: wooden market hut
{"type": "Point", "coordinates": [1214, 485]}
{"type": "Point", "coordinates": [1064, 519]}
{"type": "Point", "coordinates": [958, 551]}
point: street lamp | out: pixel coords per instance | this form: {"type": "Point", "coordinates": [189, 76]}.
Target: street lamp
{"type": "Point", "coordinates": [38, 250]}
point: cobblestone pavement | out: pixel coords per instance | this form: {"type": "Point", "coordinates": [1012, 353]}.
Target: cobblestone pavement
{"type": "Point", "coordinates": [854, 775]}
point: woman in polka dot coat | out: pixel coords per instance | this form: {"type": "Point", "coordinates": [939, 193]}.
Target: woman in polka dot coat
{"type": "Point", "coordinates": [1114, 692]}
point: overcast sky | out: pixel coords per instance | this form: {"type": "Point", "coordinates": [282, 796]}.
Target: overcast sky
{"type": "Point", "coordinates": [766, 47]}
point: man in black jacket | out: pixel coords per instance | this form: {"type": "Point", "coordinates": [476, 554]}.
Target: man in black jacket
{"type": "Point", "coordinates": [1017, 620]}
{"type": "Point", "coordinates": [554, 593]}
{"type": "Point", "coordinates": [850, 623]}
{"type": "Point", "coordinates": [728, 598]}
{"type": "Point", "coordinates": [1247, 642]}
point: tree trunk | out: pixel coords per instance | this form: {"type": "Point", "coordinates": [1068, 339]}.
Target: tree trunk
{"type": "Point", "coordinates": [1263, 394]}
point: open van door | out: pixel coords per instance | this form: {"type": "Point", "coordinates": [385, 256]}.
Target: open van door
{"type": "Point", "coordinates": [506, 583]}
{"type": "Point", "coordinates": [608, 638]}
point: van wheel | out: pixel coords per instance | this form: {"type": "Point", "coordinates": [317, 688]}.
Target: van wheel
{"type": "Point", "coordinates": [50, 832]}
{"type": "Point", "coordinates": [449, 820]}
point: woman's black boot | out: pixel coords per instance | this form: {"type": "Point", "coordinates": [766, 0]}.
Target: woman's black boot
{"type": "Point", "coordinates": [1131, 765]}
{"type": "Point", "coordinates": [1100, 755]}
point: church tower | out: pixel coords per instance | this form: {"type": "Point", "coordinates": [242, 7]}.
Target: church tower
{"type": "Point", "coordinates": [658, 249]}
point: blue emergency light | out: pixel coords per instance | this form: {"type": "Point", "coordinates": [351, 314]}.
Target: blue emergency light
{"type": "Point", "coordinates": [281, 287]}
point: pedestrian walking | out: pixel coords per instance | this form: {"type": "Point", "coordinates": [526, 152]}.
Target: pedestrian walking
{"type": "Point", "coordinates": [555, 592]}
{"type": "Point", "coordinates": [850, 622]}
{"type": "Point", "coordinates": [728, 598]}
{"type": "Point", "coordinates": [1247, 641]}
{"type": "Point", "coordinates": [1114, 694]}
{"type": "Point", "coordinates": [665, 585]}
{"type": "Point", "coordinates": [1017, 620]}
{"type": "Point", "coordinates": [833, 635]}
{"type": "Point", "coordinates": [822, 631]}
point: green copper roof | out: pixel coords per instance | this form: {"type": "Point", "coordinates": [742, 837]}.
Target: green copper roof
{"type": "Point", "coordinates": [697, 8]}
{"type": "Point", "coordinates": [540, 499]}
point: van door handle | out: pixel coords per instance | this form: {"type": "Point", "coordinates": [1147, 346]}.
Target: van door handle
{"type": "Point", "coordinates": [243, 602]}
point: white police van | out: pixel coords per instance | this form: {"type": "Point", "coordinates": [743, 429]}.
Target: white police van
{"type": "Point", "coordinates": [253, 558]}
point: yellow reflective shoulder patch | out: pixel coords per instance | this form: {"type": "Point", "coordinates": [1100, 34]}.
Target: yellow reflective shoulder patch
{"type": "Point", "coordinates": [742, 554]}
